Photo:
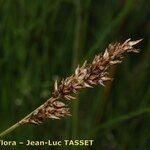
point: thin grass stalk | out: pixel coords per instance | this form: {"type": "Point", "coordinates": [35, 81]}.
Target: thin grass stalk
{"type": "Point", "coordinates": [128, 6]}
{"type": "Point", "coordinates": [119, 119]}
{"type": "Point", "coordinates": [77, 49]}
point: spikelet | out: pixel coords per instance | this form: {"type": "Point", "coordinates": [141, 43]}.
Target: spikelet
{"type": "Point", "coordinates": [87, 76]}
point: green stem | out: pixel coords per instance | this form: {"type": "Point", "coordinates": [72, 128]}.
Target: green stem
{"type": "Point", "coordinates": [128, 6]}
{"type": "Point", "coordinates": [118, 120]}
{"type": "Point", "coordinates": [77, 48]}
{"type": "Point", "coordinates": [12, 128]}
{"type": "Point", "coordinates": [19, 123]}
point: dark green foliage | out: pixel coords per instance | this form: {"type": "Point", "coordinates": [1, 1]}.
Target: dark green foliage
{"type": "Point", "coordinates": [41, 41]}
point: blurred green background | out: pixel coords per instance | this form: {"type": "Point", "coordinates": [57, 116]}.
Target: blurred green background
{"type": "Point", "coordinates": [41, 41]}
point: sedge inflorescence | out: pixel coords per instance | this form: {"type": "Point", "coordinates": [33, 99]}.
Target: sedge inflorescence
{"type": "Point", "coordinates": [86, 76]}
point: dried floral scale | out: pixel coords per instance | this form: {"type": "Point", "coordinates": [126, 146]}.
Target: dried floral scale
{"type": "Point", "coordinates": [86, 76]}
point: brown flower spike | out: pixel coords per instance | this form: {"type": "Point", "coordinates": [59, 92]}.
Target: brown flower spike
{"type": "Point", "coordinates": [86, 76]}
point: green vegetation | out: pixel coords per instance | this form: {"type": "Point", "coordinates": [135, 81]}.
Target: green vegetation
{"type": "Point", "coordinates": [41, 41]}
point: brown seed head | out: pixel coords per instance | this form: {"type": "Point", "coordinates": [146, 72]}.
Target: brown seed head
{"type": "Point", "coordinates": [86, 76]}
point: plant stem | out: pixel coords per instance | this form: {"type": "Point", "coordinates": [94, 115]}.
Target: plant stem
{"type": "Point", "coordinates": [18, 124]}
{"type": "Point", "coordinates": [119, 119]}
{"type": "Point", "coordinates": [77, 48]}
{"type": "Point", "coordinates": [103, 35]}
{"type": "Point", "coordinates": [12, 128]}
